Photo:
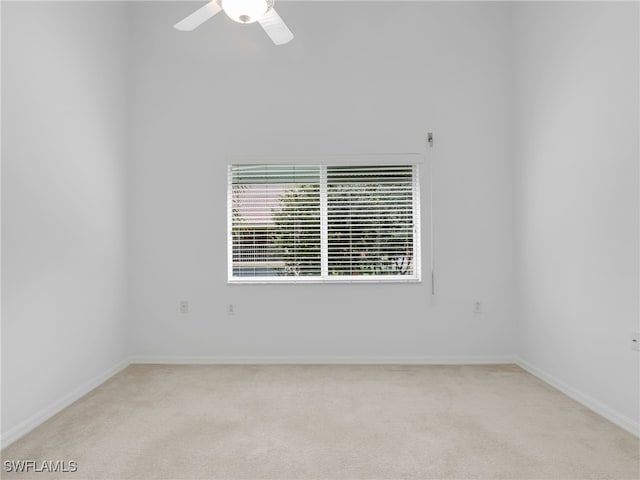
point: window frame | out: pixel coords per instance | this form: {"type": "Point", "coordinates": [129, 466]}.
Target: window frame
{"type": "Point", "coordinates": [413, 160]}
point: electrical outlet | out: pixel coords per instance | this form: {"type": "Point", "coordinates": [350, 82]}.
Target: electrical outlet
{"type": "Point", "coordinates": [477, 307]}
{"type": "Point", "coordinates": [184, 306]}
{"type": "Point", "coordinates": [635, 341]}
{"type": "Point", "coordinates": [231, 309]}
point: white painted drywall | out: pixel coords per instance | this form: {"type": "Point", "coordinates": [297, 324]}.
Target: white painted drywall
{"type": "Point", "coordinates": [576, 185]}
{"type": "Point", "coordinates": [358, 78]}
{"type": "Point", "coordinates": [64, 145]}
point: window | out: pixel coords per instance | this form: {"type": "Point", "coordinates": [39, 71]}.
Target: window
{"type": "Point", "coordinates": [323, 223]}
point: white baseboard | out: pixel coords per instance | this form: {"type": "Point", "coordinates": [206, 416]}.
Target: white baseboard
{"type": "Point", "coordinates": [46, 413]}
{"type": "Point", "coordinates": [322, 360]}
{"type": "Point", "coordinates": [591, 403]}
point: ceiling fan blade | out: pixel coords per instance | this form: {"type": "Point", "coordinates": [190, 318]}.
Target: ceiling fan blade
{"type": "Point", "coordinates": [198, 17]}
{"type": "Point", "coordinates": [276, 28]}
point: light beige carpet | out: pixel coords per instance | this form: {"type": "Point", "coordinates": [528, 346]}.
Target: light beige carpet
{"type": "Point", "coordinates": [329, 422]}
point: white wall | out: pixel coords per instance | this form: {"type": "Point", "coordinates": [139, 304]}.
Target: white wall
{"type": "Point", "coordinates": [358, 78]}
{"type": "Point", "coordinates": [63, 202]}
{"type": "Point", "coordinates": [576, 184]}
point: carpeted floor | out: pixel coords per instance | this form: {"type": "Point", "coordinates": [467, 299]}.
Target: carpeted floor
{"type": "Point", "coordinates": [329, 422]}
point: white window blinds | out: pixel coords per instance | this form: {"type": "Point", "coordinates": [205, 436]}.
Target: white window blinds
{"type": "Point", "coordinates": [323, 223]}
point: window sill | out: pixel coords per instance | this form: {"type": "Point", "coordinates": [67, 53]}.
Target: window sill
{"type": "Point", "coordinates": [342, 280]}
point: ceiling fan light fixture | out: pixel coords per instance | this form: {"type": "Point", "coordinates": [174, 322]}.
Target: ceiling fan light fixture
{"type": "Point", "coordinates": [246, 11]}
{"type": "Point", "coordinates": [241, 11]}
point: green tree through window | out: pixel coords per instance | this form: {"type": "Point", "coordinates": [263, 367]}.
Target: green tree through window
{"type": "Point", "coordinates": [324, 222]}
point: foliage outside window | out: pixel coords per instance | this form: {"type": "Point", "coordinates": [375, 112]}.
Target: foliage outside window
{"type": "Point", "coordinates": [310, 223]}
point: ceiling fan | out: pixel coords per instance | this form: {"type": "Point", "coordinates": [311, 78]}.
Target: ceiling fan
{"type": "Point", "coordinates": [242, 11]}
